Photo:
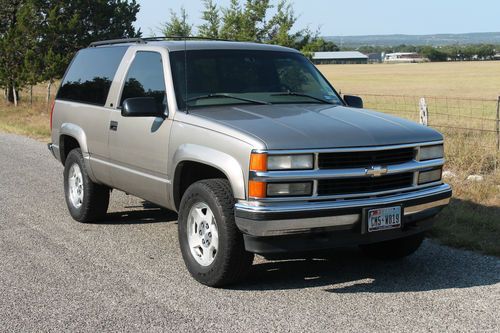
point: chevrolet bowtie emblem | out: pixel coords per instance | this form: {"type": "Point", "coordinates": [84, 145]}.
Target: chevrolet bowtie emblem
{"type": "Point", "coordinates": [376, 171]}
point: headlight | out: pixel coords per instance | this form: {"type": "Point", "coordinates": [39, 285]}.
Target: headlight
{"type": "Point", "coordinates": [289, 189]}
{"type": "Point", "coordinates": [430, 176]}
{"type": "Point", "coordinates": [431, 152]}
{"type": "Point", "coordinates": [290, 162]}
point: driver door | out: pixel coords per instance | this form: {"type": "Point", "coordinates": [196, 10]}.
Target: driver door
{"type": "Point", "coordinates": [138, 146]}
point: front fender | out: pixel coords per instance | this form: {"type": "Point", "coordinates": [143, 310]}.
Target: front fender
{"type": "Point", "coordinates": [214, 158]}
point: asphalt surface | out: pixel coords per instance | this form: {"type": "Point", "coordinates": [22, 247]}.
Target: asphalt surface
{"type": "Point", "coordinates": [127, 274]}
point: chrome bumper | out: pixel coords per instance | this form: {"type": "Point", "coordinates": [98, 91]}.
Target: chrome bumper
{"type": "Point", "coordinates": [302, 217]}
{"type": "Point", "coordinates": [54, 150]}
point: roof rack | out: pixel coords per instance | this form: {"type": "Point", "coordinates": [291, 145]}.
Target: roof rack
{"type": "Point", "coordinates": [118, 41]}
{"type": "Point", "coordinates": [140, 40]}
{"type": "Point", "coordinates": [187, 37]}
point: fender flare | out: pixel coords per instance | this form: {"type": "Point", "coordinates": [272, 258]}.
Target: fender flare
{"type": "Point", "coordinates": [216, 159]}
{"type": "Point", "coordinates": [75, 132]}
{"type": "Point", "coordinates": [79, 135]}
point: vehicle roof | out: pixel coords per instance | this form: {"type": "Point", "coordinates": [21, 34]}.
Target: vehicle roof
{"type": "Point", "coordinates": [180, 45]}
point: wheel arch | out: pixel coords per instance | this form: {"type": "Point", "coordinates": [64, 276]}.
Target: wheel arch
{"type": "Point", "coordinates": [201, 162]}
{"type": "Point", "coordinates": [72, 136]}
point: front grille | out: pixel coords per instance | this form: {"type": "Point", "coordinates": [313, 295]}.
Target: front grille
{"type": "Point", "coordinates": [364, 159]}
{"type": "Point", "coordinates": [364, 184]}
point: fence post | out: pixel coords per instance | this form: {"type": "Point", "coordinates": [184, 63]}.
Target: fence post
{"type": "Point", "coordinates": [498, 124]}
{"type": "Point", "coordinates": [424, 112]}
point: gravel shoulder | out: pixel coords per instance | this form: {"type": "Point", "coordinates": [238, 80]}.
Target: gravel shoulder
{"type": "Point", "coordinates": [127, 274]}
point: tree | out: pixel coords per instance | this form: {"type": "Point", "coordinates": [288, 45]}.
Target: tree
{"type": "Point", "coordinates": [433, 54]}
{"type": "Point", "coordinates": [320, 45]}
{"type": "Point", "coordinates": [252, 20]}
{"type": "Point", "coordinates": [177, 25]}
{"type": "Point", "coordinates": [232, 19]}
{"type": "Point", "coordinates": [38, 38]}
{"type": "Point", "coordinates": [211, 16]}
{"type": "Point", "coordinates": [11, 48]}
{"type": "Point", "coordinates": [67, 26]}
{"type": "Point", "coordinates": [486, 51]}
{"type": "Point", "coordinates": [281, 24]}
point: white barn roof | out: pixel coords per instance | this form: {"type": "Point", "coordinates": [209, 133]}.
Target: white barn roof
{"type": "Point", "coordinates": [339, 55]}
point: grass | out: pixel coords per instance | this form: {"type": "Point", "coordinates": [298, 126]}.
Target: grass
{"type": "Point", "coordinates": [477, 79]}
{"type": "Point", "coordinates": [29, 120]}
{"type": "Point", "coordinates": [472, 221]}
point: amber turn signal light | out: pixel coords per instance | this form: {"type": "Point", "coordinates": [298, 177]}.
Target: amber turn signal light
{"type": "Point", "coordinates": [256, 189]}
{"type": "Point", "coordinates": [258, 162]}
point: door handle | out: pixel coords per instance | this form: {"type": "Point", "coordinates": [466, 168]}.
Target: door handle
{"type": "Point", "coordinates": [113, 125]}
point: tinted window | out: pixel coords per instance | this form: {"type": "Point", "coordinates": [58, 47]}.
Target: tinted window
{"type": "Point", "coordinates": [145, 78]}
{"type": "Point", "coordinates": [90, 75]}
{"type": "Point", "coordinates": [266, 76]}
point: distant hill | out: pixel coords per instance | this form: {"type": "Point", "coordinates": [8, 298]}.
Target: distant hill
{"type": "Point", "coordinates": [433, 40]}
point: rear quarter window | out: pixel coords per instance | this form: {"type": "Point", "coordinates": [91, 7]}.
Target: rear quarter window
{"type": "Point", "coordinates": [90, 74]}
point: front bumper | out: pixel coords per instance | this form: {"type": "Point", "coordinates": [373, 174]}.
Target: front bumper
{"type": "Point", "coordinates": [340, 216]}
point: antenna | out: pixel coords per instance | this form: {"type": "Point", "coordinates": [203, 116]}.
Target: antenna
{"type": "Point", "coordinates": [185, 75]}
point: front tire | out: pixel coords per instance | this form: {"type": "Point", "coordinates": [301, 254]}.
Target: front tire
{"type": "Point", "coordinates": [86, 200]}
{"type": "Point", "coordinates": [394, 249]}
{"type": "Point", "coordinates": [211, 244]}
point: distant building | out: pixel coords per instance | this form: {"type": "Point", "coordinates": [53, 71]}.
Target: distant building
{"type": "Point", "coordinates": [375, 57]}
{"type": "Point", "coordinates": [342, 57]}
{"type": "Point", "coordinates": [404, 57]}
{"type": "Point", "coordinates": [496, 56]}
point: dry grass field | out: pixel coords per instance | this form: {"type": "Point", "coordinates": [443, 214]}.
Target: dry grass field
{"type": "Point", "coordinates": [473, 219]}
{"type": "Point", "coordinates": [479, 79]}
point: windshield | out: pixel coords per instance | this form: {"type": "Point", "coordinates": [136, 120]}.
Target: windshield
{"type": "Point", "coordinates": [226, 77]}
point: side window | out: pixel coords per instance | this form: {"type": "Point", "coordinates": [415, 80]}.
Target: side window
{"type": "Point", "coordinates": [145, 78]}
{"type": "Point", "coordinates": [90, 74]}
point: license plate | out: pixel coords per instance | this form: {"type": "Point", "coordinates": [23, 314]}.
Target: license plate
{"type": "Point", "coordinates": [384, 218]}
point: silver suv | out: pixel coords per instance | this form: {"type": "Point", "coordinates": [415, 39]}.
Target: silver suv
{"type": "Point", "coordinates": [250, 144]}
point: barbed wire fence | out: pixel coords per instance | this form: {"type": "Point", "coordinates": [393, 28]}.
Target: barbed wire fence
{"type": "Point", "coordinates": [471, 125]}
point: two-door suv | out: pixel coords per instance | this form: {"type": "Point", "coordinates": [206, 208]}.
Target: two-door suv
{"type": "Point", "coordinates": [250, 144]}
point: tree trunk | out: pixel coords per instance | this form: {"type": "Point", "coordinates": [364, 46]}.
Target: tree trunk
{"type": "Point", "coordinates": [48, 92]}
{"type": "Point", "coordinates": [14, 93]}
{"type": "Point", "coordinates": [31, 95]}
{"type": "Point", "coordinates": [10, 96]}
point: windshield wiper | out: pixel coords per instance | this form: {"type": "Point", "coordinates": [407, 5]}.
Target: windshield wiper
{"type": "Point", "coordinates": [293, 93]}
{"type": "Point", "coordinates": [221, 95]}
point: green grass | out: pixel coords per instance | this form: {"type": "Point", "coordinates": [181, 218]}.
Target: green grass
{"type": "Point", "coordinates": [468, 225]}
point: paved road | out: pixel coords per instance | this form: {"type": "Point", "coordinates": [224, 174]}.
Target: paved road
{"type": "Point", "coordinates": [127, 274]}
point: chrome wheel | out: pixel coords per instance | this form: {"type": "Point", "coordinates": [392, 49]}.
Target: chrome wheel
{"type": "Point", "coordinates": [203, 237]}
{"type": "Point", "coordinates": [75, 186]}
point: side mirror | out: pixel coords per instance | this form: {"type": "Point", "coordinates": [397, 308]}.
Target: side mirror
{"type": "Point", "coordinates": [142, 107]}
{"type": "Point", "coordinates": [354, 101]}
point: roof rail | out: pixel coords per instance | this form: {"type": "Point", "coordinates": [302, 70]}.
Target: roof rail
{"type": "Point", "coordinates": [151, 39]}
{"type": "Point", "coordinates": [187, 37]}
{"type": "Point", "coordinates": [118, 41]}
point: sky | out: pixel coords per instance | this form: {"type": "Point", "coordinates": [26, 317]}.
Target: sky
{"type": "Point", "coordinates": [361, 17]}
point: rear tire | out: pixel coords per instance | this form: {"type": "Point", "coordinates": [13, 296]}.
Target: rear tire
{"type": "Point", "coordinates": [211, 244]}
{"type": "Point", "coordinates": [86, 200]}
{"type": "Point", "coordinates": [394, 249]}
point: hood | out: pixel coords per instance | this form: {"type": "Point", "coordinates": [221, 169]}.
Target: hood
{"type": "Point", "coordinates": [307, 126]}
